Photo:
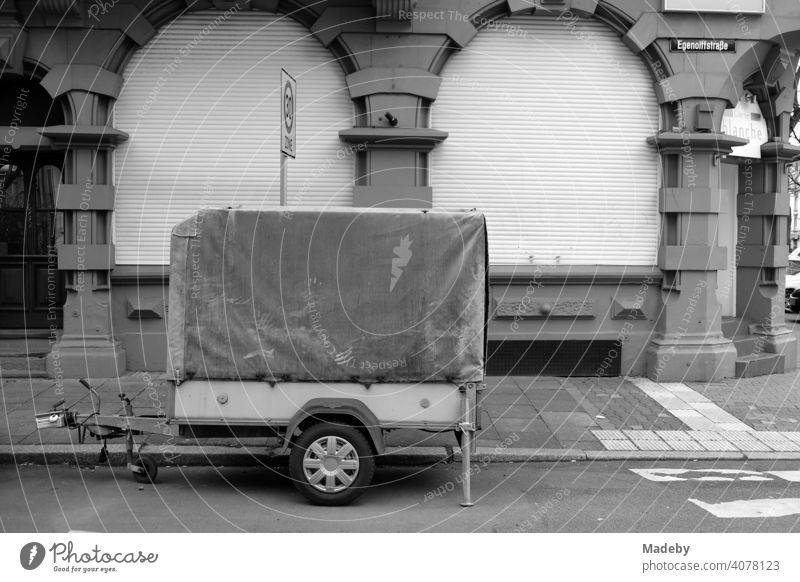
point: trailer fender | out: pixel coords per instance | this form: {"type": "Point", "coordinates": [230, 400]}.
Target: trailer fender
{"type": "Point", "coordinates": [319, 407]}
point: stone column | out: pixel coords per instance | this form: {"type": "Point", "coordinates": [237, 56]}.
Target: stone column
{"type": "Point", "coordinates": [763, 209]}
{"type": "Point", "coordinates": [763, 246]}
{"type": "Point", "coordinates": [687, 342]}
{"type": "Point", "coordinates": [391, 142]}
{"type": "Point", "coordinates": [87, 347]}
{"type": "Point", "coordinates": [393, 82]}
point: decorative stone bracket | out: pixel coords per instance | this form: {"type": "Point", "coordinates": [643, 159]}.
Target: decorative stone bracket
{"type": "Point", "coordinates": [370, 138]}
{"type": "Point", "coordinates": [561, 309]}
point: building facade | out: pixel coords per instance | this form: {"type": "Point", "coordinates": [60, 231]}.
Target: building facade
{"type": "Point", "coordinates": [632, 163]}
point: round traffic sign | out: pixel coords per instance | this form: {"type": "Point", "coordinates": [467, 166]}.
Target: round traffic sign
{"type": "Point", "coordinates": [288, 106]}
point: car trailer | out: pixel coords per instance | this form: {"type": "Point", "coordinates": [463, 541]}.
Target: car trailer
{"type": "Point", "coordinates": [333, 445]}
{"type": "Point", "coordinates": [323, 328]}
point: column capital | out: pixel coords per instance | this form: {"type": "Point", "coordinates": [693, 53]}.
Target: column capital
{"type": "Point", "coordinates": [674, 141]}
{"type": "Point", "coordinates": [371, 138]}
{"type": "Point", "coordinates": [779, 151]}
{"type": "Point", "coordinates": [84, 136]}
{"type": "Point", "coordinates": [413, 81]}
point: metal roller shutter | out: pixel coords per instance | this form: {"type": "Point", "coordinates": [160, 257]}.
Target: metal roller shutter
{"type": "Point", "coordinates": [201, 104]}
{"type": "Point", "coordinates": [547, 127]}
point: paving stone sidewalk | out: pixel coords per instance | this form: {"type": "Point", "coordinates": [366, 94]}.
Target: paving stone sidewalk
{"type": "Point", "coordinates": [766, 403]}
{"type": "Point", "coordinates": [531, 413]}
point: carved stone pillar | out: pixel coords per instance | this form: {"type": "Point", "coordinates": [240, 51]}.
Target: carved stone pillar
{"type": "Point", "coordinates": [763, 214]}
{"type": "Point", "coordinates": [87, 347]}
{"type": "Point", "coordinates": [688, 343]}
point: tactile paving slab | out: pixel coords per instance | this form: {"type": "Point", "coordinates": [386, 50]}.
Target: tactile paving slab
{"type": "Point", "coordinates": [698, 440]}
{"type": "Point", "coordinates": [776, 441]}
{"type": "Point", "coordinates": [652, 445]}
{"type": "Point", "coordinates": [616, 435]}
{"type": "Point", "coordinates": [685, 445]}
{"type": "Point", "coordinates": [715, 444]}
{"type": "Point", "coordinates": [618, 445]}
{"type": "Point", "coordinates": [745, 442]}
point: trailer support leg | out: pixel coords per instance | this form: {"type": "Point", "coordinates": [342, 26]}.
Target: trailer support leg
{"type": "Point", "coordinates": [467, 426]}
{"type": "Point", "coordinates": [129, 452]}
{"type": "Point", "coordinates": [466, 448]}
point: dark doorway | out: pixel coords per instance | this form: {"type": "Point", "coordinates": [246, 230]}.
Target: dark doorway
{"type": "Point", "coordinates": [31, 287]}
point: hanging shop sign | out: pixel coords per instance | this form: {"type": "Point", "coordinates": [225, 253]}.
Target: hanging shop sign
{"type": "Point", "coordinates": [716, 6]}
{"type": "Point", "coordinates": [745, 120]}
{"type": "Point", "coordinates": [702, 45]}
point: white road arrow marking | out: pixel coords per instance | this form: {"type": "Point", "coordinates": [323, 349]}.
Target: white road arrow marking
{"type": "Point", "coordinates": [751, 508]}
{"type": "Point", "coordinates": [671, 474]}
{"type": "Point", "coordinates": [793, 476]}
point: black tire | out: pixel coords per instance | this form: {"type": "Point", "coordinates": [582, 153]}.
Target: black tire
{"type": "Point", "coordinates": [150, 469]}
{"type": "Point", "coordinates": [340, 493]}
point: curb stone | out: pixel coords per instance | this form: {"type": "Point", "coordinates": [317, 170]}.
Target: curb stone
{"type": "Point", "coordinates": [218, 456]}
{"type": "Point", "coordinates": [663, 456]}
{"type": "Point", "coordinates": [188, 456]}
{"type": "Point", "coordinates": [759, 456]}
{"type": "Point", "coordinates": [222, 456]}
{"type": "Point", "coordinates": [196, 456]}
{"type": "Point", "coordinates": [522, 455]}
{"type": "Point", "coordinates": [414, 456]}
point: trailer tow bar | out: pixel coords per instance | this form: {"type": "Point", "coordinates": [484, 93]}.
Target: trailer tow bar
{"type": "Point", "coordinates": [144, 468]}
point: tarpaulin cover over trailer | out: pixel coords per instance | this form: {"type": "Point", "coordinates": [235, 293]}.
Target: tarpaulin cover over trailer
{"type": "Point", "coordinates": [298, 294]}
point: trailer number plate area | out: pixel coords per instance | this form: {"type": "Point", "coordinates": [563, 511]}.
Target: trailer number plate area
{"type": "Point", "coordinates": [53, 419]}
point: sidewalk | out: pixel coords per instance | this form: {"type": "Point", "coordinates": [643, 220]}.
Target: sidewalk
{"type": "Point", "coordinates": [525, 418]}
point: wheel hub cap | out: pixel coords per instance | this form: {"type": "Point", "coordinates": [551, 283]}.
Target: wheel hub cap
{"type": "Point", "coordinates": [330, 464]}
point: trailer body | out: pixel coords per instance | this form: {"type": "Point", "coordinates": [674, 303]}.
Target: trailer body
{"type": "Point", "coordinates": [326, 328]}
{"type": "Point", "coordinates": [338, 295]}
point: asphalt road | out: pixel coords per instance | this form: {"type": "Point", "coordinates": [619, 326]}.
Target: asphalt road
{"type": "Point", "coordinates": [534, 497]}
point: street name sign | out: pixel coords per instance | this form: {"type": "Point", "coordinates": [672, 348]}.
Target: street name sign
{"type": "Point", "coordinates": [702, 45]}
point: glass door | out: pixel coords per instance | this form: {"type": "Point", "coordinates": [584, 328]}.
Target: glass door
{"type": "Point", "coordinates": [31, 287]}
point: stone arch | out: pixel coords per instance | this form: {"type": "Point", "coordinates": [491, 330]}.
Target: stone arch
{"type": "Point", "coordinates": [769, 71]}
{"type": "Point", "coordinates": [536, 74]}
{"type": "Point", "coordinates": [200, 102]}
{"type": "Point", "coordinates": [159, 15]}
{"type": "Point", "coordinates": [655, 61]}
{"type": "Point", "coordinates": [98, 81]}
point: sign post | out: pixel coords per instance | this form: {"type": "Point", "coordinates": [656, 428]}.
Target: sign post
{"type": "Point", "coordinates": [288, 127]}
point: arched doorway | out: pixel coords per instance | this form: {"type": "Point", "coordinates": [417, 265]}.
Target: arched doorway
{"type": "Point", "coordinates": [548, 123]}
{"type": "Point", "coordinates": [203, 120]}
{"type": "Point", "coordinates": [31, 287]}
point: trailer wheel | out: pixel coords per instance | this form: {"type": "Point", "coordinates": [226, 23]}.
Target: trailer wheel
{"type": "Point", "coordinates": [331, 464]}
{"type": "Point", "coordinates": [150, 467]}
